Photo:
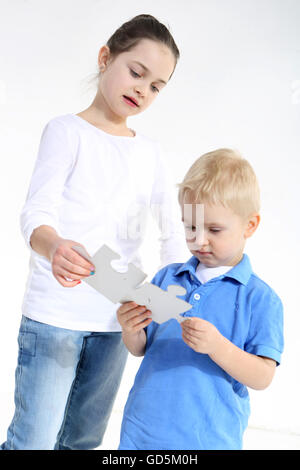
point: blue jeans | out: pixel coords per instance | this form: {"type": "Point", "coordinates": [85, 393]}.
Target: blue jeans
{"type": "Point", "coordinates": [66, 383]}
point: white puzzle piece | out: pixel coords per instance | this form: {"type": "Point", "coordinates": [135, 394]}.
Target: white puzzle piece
{"type": "Point", "coordinates": [126, 287]}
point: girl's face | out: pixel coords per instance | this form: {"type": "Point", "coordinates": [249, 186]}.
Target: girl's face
{"type": "Point", "coordinates": [131, 81]}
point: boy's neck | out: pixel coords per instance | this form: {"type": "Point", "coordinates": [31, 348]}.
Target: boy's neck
{"type": "Point", "coordinates": [230, 264]}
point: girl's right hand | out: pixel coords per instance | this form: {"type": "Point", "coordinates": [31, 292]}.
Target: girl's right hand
{"type": "Point", "coordinates": [133, 317]}
{"type": "Point", "coordinates": [67, 263]}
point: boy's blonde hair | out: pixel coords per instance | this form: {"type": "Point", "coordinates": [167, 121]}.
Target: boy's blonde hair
{"type": "Point", "coordinates": [222, 177]}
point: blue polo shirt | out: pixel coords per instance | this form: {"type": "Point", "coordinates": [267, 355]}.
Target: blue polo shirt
{"type": "Point", "coordinates": [182, 399]}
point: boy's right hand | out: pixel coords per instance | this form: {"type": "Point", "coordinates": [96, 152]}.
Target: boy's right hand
{"type": "Point", "coordinates": [67, 263]}
{"type": "Point", "coordinates": [133, 317]}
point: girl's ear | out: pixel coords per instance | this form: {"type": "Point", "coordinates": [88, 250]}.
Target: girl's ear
{"type": "Point", "coordinates": [252, 225]}
{"type": "Point", "coordinates": [103, 58]}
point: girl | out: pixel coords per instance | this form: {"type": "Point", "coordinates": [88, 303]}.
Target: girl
{"type": "Point", "coordinates": [93, 181]}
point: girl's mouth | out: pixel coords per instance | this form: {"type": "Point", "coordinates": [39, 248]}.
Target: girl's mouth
{"type": "Point", "coordinates": [131, 101]}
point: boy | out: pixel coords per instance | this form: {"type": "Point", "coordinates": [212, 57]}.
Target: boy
{"type": "Point", "coordinates": [191, 389]}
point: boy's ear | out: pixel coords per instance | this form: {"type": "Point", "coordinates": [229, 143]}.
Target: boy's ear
{"type": "Point", "coordinates": [253, 223]}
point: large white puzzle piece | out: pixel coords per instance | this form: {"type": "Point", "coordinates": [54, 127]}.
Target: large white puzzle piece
{"type": "Point", "coordinates": [127, 286]}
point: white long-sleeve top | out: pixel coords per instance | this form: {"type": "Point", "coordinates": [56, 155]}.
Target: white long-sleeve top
{"type": "Point", "coordinates": [95, 188]}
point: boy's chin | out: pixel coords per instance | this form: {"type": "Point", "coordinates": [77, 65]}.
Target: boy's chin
{"type": "Point", "coordinates": [206, 259]}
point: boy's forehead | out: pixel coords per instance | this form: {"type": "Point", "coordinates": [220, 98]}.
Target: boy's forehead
{"type": "Point", "coordinates": [191, 211]}
{"type": "Point", "coordinates": [202, 210]}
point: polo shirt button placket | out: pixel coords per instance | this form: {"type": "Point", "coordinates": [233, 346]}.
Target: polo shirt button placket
{"type": "Point", "coordinates": [194, 300]}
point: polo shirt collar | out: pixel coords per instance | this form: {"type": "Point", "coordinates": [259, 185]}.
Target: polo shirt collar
{"type": "Point", "coordinates": [241, 272]}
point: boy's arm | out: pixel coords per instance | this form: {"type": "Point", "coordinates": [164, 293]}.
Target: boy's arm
{"type": "Point", "coordinates": [135, 342]}
{"type": "Point", "coordinates": [253, 371]}
{"type": "Point", "coordinates": [134, 318]}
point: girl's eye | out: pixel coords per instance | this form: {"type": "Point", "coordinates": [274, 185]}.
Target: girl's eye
{"type": "Point", "coordinates": [155, 89]}
{"type": "Point", "coordinates": [215, 230]}
{"type": "Point", "coordinates": [134, 74]}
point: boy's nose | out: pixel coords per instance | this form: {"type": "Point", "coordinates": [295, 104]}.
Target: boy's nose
{"type": "Point", "coordinates": [199, 240]}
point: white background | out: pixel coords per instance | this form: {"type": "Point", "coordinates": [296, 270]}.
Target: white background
{"type": "Point", "coordinates": [237, 84]}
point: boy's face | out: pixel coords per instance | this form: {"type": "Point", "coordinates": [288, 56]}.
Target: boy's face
{"type": "Point", "coordinates": [215, 234]}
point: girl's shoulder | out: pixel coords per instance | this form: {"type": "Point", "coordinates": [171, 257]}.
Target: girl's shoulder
{"type": "Point", "coordinates": [76, 123]}
{"type": "Point", "coordinates": [63, 120]}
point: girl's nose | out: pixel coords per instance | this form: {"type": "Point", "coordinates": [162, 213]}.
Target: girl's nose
{"type": "Point", "coordinates": [140, 90]}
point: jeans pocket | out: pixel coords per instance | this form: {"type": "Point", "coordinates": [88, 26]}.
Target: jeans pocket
{"type": "Point", "coordinates": [27, 343]}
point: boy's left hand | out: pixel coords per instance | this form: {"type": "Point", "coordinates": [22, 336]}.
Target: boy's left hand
{"type": "Point", "coordinates": [201, 335]}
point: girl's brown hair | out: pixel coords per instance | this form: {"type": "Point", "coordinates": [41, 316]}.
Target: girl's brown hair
{"type": "Point", "coordinates": [141, 27]}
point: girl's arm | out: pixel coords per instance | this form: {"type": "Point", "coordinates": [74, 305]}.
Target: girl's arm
{"type": "Point", "coordinates": [43, 240]}
{"type": "Point", "coordinates": [66, 263]}
{"type": "Point", "coordinates": [134, 318]}
{"type": "Point", "coordinates": [39, 216]}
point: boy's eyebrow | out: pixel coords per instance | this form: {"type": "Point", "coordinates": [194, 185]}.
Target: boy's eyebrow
{"type": "Point", "coordinates": [215, 224]}
{"type": "Point", "coordinates": [147, 70]}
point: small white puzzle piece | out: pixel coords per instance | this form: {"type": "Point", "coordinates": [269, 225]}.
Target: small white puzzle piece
{"type": "Point", "coordinates": [121, 287]}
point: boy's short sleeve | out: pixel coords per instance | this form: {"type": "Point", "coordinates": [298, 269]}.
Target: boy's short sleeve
{"type": "Point", "coordinates": [265, 337]}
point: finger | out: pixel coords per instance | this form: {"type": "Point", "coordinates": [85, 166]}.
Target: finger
{"type": "Point", "coordinates": [65, 283]}
{"type": "Point", "coordinates": [131, 322]}
{"type": "Point", "coordinates": [125, 307]}
{"type": "Point", "coordinates": [139, 318]}
{"type": "Point", "coordinates": [132, 309]}
{"type": "Point", "coordinates": [191, 331]}
{"type": "Point", "coordinates": [191, 335]}
{"type": "Point", "coordinates": [140, 324]}
{"type": "Point", "coordinates": [66, 266]}
{"type": "Point", "coordinates": [70, 257]}
{"type": "Point", "coordinates": [68, 275]}
{"type": "Point", "coordinates": [78, 265]}
{"type": "Point", "coordinates": [196, 324]}
{"type": "Point", "coordinates": [190, 342]}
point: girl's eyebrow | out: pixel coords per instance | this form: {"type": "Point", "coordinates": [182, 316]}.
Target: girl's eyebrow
{"type": "Point", "coordinates": [147, 70]}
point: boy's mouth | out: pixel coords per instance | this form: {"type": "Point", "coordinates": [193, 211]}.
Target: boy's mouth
{"type": "Point", "coordinates": [131, 101]}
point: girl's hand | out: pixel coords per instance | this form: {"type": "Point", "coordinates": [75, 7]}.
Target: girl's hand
{"type": "Point", "coordinates": [133, 317]}
{"type": "Point", "coordinates": [201, 335]}
{"type": "Point", "coordinates": [67, 263]}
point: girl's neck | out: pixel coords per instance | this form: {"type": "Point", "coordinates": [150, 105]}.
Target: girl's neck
{"type": "Point", "coordinates": [100, 116]}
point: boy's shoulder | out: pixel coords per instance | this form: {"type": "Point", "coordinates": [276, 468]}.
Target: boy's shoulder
{"type": "Point", "coordinates": [256, 288]}
{"type": "Point", "coordinates": [259, 290]}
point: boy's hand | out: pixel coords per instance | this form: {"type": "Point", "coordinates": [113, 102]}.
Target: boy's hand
{"type": "Point", "coordinates": [201, 335]}
{"type": "Point", "coordinates": [133, 317]}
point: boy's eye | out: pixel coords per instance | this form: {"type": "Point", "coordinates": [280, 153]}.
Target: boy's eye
{"type": "Point", "coordinates": [215, 230]}
{"type": "Point", "coordinates": [154, 88]}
